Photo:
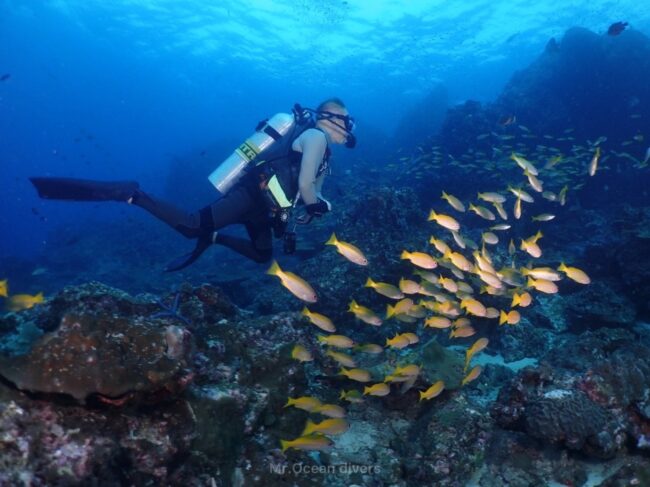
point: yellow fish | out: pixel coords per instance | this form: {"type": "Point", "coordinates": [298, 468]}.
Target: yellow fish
{"type": "Point", "coordinates": [523, 300]}
{"type": "Point", "coordinates": [440, 245]}
{"type": "Point", "coordinates": [512, 317]}
{"type": "Point", "coordinates": [385, 289]}
{"type": "Point", "coordinates": [437, 322]}
{"type": "Point", "coordinates": [449, 284]}
{"type": "Point", "coordinates": [593, 165]}
{"type": "Point", "coordinates": [321, 321]}
{"type": "Point", "coordinates": [524, 164]}
{"type": "Point", "coordinates": [482, 211]}
{"type": "Point", "coordinates": [489, 238]}
{"type": "Point", "coordinates": [339, 341]}
{"type": "Point", "coordinates": [408, 286]}
{"type": "Point", "coordinates": [369, 348]}
{"type": "Point", "coordinates": [530, 245]}
{"type": "Point", "coordinates": [541, 273]}
{"type": "Point", "coordinates": [381, 389]}
{"type": "Point", "coordinates": [544, 217]}
{"type": "Point", "coordinates": [463, 331]}
{"type": "Point", "coordinates": [333, 426]}
{"type": "Point", "coordinates": [420, 259]}
{"type": "Point", "coordinates": [472, 375]}
{"type": "Point", "coordinates": [478, 345]}
{"type": "Point", "coordinates": [455, 203]}
{"type": "Point", "coordinates": [301, 354]}
{"type": "Point", "coordinates": [432, 391]}
{"type": "Point", "coordinates": [4, 288]}
{"type": "Point", "coordinates": [542, 285]}
{"type": "Point", "coordinates": [364, 314]}
{"type": "Point", "coordinates": [359, 375]}
{"type": "Point", "coordinates": [521, 194]}
{"type": "Point", "coordinates": [473, 307]}
{"type": "Point", "coordinates": [562, 195]}
{"type": "Point", "coordinates": [295, 284]}
{"type": "Point", "coordinates": [310, 442]}
{"type": "Point", "coordinates": [306, 403]}
{"type": "Point", "coordinates": [347, 250]}
{"type": "Point", "coordinates": [342, 358]}
{"type": "Point", "coordinates": [501, 211]}
{"type": "Point", "coordinates": [459, 260]}
{"type": "Point", "coordinates": [517, 209]}
{"type": "Point", "coordinates": [511, 247]}
{"type": "Point", "coordinates": [401, 307]}
{"type": "Point", "coordinates": [352, 395]}
{"type": "Point", "coordinates": [398, 341]}
{"type": "Point", "coordinates": [491, 197]}
{"type": "Point", "coordinates": [574, 274]}
{"type": "Point", "coordinates": [444, 221]}
{"type": "Point", "coordinates": [331, 411]}
{"type": "Point", "coordinates": [19, 302]}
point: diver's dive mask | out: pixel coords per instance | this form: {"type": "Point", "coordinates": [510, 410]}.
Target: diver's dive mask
{"type": "Point", "coordinates": [344, 122]}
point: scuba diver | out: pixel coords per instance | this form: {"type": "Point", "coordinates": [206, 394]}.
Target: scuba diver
{"type": "Point", "coordinates": [283, 163]}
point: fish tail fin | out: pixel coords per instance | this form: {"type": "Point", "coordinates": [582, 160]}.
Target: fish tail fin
{"type": "Point", "coordinates": [390, 311]}
{"type": "Point", "coordinates": [332, 240]}
{"type": "Point", "coordinates": [353, 304]}
{"type": "Point", "coordinates": [562, 267]}
{"type": "Point", "coordinates": [503, 317]}
{"type": "Point", "coordinates": [369, 283]}
{"type": "Point", "coordinates": [421, 395]}
{"type": "Point", "coordinates": [309, 428]}
{"type": "Point", "coordinates": [285, 444]}
{"type": "Point", "coordinates": [366, 391]}
{"type": "Point", "coordinates": [530, 281]}
{"type": "Point", "coordinates": [432, 215]}
{"type": "Point", "coordinates": [404, 255]}
{"type": "Point", "coordinates": [516, 300]}
{"type": "Point", "coordinates": [305, 311]}
{"type": "Point", "coordinates": [274, 270]}
{"type": "Point", "coordinates": [290, 402]}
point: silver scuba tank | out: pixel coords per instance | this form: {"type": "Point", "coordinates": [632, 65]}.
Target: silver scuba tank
{"type": "Point", "coordinates": [231, 170]}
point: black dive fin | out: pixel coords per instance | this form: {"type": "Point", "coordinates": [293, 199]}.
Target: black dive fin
{"type": "Point", "coordinates": [182, 262]}
{"type": "Point", "coordinates": [84, 189]}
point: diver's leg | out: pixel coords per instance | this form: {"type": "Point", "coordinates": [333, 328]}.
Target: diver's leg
{"type": "Point", "coordinates": [190, 225]}
{"type": "Point", "coordinates": [260, 246]}
{"type": "Point", "coordinates": [232, 208]}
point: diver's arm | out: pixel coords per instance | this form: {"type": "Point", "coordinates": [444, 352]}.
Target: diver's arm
{"type": "Point", "coordinates": [313, 145]}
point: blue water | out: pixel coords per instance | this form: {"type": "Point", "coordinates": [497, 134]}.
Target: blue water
{"type": "Point", "coordinates": [127, 89]}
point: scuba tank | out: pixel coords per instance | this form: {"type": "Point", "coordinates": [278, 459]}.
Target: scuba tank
{"type": "Point", "coordinates": [231, 170]}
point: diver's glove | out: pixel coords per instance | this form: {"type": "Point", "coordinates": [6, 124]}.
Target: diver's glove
{"type": "Point", "coordinates": [314, 210]}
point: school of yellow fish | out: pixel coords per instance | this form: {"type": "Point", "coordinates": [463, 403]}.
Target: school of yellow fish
{"type": "Point", "coordinates": [452, 282]}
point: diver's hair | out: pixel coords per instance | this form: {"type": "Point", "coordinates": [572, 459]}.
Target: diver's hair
{"type": "Point", "coordinates": [330, 102]}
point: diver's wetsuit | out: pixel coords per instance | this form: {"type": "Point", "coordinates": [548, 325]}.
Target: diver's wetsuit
{"type": "Point", "coordinates": [243, 204]}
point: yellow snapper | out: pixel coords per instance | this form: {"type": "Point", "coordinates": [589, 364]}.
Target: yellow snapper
{"type": "Point", "coordinates": [542, 285]}
{"type": "Point", "coordinates": [523, 300]}
{"type": "Point", "coordinates": [385, 289]}
{"type": "Point", "coordinates": [309, 442]}
{"type": "Point", "coordinates": [444, 221]}
{"type": "Point", "coordinates": [19, 302]}
{"type": "Point", "coordinates": [420, 259]}
{"type": "Point", "coordinates": [472, 375]}
{"type": "Point", "coordinates": [306, 403]}
{"type": "Point", "coordinates": [347, 250]}
{"type": "Point", "coordinates": [4, 288]}
{"type": "Point", "coordinates": [541, 273]}
{"type": "Point", "coordinates": [372, 348]}
{"type": "Point", "coordinates": [331, 411]}
{"type": "Point", "coordinates": [574, 274]}
{"type": "Point", "coordinates": [295, 284]}
{"type": "Point", "coordinates": [342, 358]}
{"type": "Point", "coordinates": [478, 345]}
{"type": "Point", "coordinates": [543, 217]}
{"type": "Point", "coordinates": [437, 322]}
{"type": "Point", "coordinates": [301, 354]}
{"type": "Point", "coordinates": [364, 314]}
{"type": "Point", "coordinates": [333, 426]}
{"type": "Point", "coordinates": [455, 203]}
{"type": "Point", "coordinates": [440, 245]}
{"type": "Point", "coordinates": [359, 375]}
{"type": "Point", "coordinates": [381, 389]}
{"type": "Point", "coordinates": [321, 321]}
{"type": "Point", "coordinates": [524, 164]}
{"type": "Point", "coordinates": [530, 245]}
{"type": "Point", "coordinates": [352, 396]}
{"type": "Point", "coordinates": [593, 165]}
{"type": "Point", "coordinates": [432, 391]}
{"type": "Point", "coordinates": [482, 211]}
{"type": "Point", "coordinates": [512, 317]}
{"type": "Point", "coordinates": [339, 341]}
{"type": "Point", "coordinates": [491, 197]}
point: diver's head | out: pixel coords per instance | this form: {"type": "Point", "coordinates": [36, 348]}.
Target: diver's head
{"type": "Point", "coordinates": [333, 118]}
